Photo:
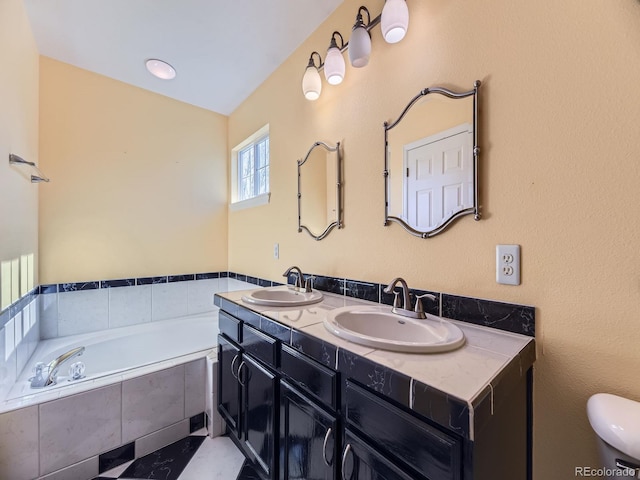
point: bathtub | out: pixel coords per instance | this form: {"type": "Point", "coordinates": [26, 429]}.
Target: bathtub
{"type": "Point", "coordinates": [117, 354]}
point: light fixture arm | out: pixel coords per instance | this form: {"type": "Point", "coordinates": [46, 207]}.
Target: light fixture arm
{"type": "Point", "coordinates": [359, 20]}
{"type": "Point", "coordinates": [312, 63]}
{"type": "Point", "coordinates": [334, 44]}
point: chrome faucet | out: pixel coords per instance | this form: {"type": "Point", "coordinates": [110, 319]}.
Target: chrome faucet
{"type": "Point", "coordinates": [405, 310]}
{"type": "Point", "coordinates": [42, 379]}
{"type": "Point", "coordinates": [299, 279]}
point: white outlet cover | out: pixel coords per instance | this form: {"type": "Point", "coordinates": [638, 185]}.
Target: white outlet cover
{"type": "Point", "coordinates": [508, 264]}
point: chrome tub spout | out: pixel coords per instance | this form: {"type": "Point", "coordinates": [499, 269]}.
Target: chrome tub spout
{"type": "Point", "coordinates": [47, 374]}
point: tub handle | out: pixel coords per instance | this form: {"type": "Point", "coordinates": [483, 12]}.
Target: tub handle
{"type": "Point", "coordinates": [233, 362]}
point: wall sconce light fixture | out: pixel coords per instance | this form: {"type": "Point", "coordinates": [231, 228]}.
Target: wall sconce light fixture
{"type": "Point", "coordinates": [334, 61]}
{"type": "Point", "coordinates": [360, 41]}
{"type": "Point", "coordinates": [394, 22]}
{"type": "Point", "coordinates": [311, 82]}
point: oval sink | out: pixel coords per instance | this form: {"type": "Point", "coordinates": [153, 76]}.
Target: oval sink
{"type": "Point", "coordinates": [282, 296]}
{"type": "Point", "coordinates": [377, 327]}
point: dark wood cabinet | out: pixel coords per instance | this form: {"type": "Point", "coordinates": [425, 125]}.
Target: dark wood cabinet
{"type": "Point", "coordinates": [228, 386]}
{"type": "Point", "coordinates": [421, 448]}
{"type": "Point", "coordinates": [297, 419]}
{"type": "Point", "coordinates": [308, 438]}
{"type": "Point", "coordinates": [248, 401]}
{"type": "Point", "coordinates": [260, 410]}
{"type": "Point", "coordinates": [360, 461]}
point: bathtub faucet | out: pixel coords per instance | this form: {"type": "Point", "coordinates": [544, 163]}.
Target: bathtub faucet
{"type": "Point", "coordinates": [47, 374]}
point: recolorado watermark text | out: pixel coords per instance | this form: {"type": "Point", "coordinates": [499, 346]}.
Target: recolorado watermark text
{"type": "Point", "coordinates": [607, 472]}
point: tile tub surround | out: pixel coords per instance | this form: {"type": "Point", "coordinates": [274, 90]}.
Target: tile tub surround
{"type": "Point", "coordinates": [69, 434]}
{"type": "Point", "coordinates": [72, 308]}
{"type": "Point", "coordinates": [458, 388]}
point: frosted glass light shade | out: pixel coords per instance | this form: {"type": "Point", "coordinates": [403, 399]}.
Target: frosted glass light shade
{"type": "Point", "coordinates": [334, 66]}
{"type": "Point", "coordinates": [359, 47]}
{"type": "Point", "coordinates": [395, 20]}
{"type": "Point", "coordinates": [311, 83]}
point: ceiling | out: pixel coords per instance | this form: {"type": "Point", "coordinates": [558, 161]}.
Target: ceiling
{"type": "Point", "coordinates": [222, 50]}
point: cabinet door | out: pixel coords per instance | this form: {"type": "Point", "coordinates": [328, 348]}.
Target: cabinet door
{"type": "Point", "coordinates": [260, 412]}
{"type": "Point", "coordinates": [228, 386]}
{"type": "Point", "coordinates": [307, 438]}
{"type": "Point", "coordinates": [361, 462]}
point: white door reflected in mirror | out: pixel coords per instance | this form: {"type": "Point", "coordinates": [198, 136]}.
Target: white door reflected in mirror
{"type": "Point", "coordinates": [431, 161]}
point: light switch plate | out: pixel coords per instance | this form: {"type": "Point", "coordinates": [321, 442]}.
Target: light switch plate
{"type": "Point", "coordinates": [508, 264]}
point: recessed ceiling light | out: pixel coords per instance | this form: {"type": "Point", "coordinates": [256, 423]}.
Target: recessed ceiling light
{"type": "Point", "coordinates": [160, 69]}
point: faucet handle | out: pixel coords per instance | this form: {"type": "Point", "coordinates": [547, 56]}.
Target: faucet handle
{"type": "Point", "coordinates": [308, 283]}
{"type": "Point", "coordinates": [396, 299]}
{"type": "Point", "coordinates": [419, 308]}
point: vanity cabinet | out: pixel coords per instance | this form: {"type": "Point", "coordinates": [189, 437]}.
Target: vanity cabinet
{"type": "Point", "coordinates": [422, 450]}
{"type": "Point", "coordinates": [297, 418]}
{"type": "Point", "coordinates": [362, 462]}
{"type": "Point", "coordinates": [307, 438]}
{"type": "Point", "coordinates": [248, 399]}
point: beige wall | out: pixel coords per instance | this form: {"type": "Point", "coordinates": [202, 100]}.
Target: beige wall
{"type": "Point", "coordinates": [138, 181]}
{"type": "Point", "coordinates": [18, 132]}
{"type": "Point", "coordinates": [560, 172]}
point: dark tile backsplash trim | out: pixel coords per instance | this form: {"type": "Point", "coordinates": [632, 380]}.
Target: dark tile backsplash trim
{"type": "Point", "coordinates": [490, 313]}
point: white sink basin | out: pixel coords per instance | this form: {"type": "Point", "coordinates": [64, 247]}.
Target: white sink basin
{"type": "Point", "coordinates": [283, 296]}
{"type": "Point", "coordinates": [376, 326]}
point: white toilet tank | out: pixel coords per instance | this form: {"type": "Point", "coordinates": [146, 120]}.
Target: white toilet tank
{"type": "Point", "coordinates": [616, 421]}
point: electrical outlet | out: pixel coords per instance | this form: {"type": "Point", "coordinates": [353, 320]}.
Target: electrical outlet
{"type": "Point", "coordinates": [276, 250]}
{"type": "Point", "coordinates": [508, 264]}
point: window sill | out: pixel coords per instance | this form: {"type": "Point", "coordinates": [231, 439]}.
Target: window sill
{"type": "Point", "coordinates": [250, 202]}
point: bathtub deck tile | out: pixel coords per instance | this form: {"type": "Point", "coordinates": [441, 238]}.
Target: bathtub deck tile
{"type": "Point", "coordinates": [75, 428]}
{"type": "Point", "coordinates": [19, 444]}
{"type": "Point", "coordinates": [152, 402]}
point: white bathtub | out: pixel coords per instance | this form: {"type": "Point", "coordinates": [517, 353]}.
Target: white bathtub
{"type": "Point", "coordinates": [117, 354]}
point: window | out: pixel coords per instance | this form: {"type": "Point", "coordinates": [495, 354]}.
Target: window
{"type": "Point", "coordinates": [250, 171]}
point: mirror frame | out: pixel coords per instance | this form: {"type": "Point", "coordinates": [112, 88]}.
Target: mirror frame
{"type": "Point", "coordinates": [338, 221]}
{"type": "Point", "coordinates": [473, 210]}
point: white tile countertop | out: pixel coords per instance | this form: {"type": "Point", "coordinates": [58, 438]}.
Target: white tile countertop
{"type": "Point", "coordinates": [464, 373]}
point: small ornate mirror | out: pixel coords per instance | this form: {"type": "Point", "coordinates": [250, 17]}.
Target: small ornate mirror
{"type": "Point", "coordinates": [319, 190]}
{"type": "Point", "coordinates": [431, 161]}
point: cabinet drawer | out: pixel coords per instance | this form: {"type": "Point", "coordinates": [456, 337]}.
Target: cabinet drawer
{"type": "Point", "coordinates": [230, 326]}
{"type": "Point", "coordinates": [310, 376]}
{"type": "Point", "coordinates": [412, 442]}
{"type": "Point", "coordinates": [362, 462]}
{"type": "Point", "coordinates": [260, 346]}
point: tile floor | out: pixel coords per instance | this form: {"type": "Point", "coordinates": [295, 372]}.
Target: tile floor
{"type": "Point", "coordinates": [194, 458]}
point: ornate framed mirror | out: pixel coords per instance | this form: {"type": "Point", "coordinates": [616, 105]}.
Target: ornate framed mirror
{"type": "Point", "coordinates": [431, 161]}
{"type": "Point", "coordinates": [319, 190]}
